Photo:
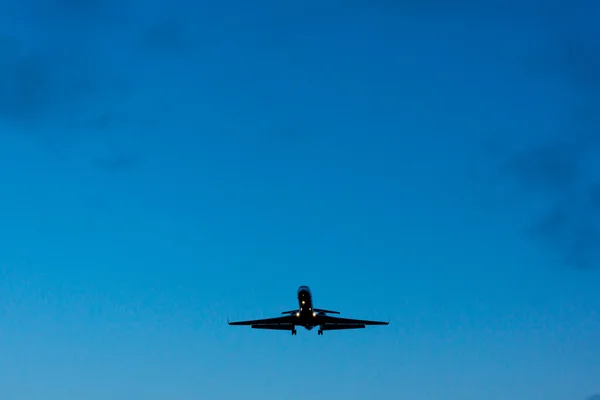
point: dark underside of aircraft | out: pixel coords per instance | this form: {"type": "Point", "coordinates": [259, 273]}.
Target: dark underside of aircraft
{"type": "Point", "coordinates": [308, 317]}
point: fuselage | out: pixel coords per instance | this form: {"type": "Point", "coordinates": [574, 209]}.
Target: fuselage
{"type": "Point", "coordinates": [306, 314]}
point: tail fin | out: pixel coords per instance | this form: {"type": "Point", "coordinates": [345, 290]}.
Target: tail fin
{"type": "Point", "coordinates": [326, 311]}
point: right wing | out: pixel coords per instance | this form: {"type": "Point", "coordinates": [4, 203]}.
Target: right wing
{"type": "Point", "coordinates": [334, 323]}
{"type": "Point", "coordinates": [278, 323]}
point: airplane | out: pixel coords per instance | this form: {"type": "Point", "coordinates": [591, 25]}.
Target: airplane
{"type": "Point", "coordinates": [307, 317]}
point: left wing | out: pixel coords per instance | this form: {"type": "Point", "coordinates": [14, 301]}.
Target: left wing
{"type": "Point", "coordinates": [278, 323]}
{"type": "Point", "coordinates": [337, 323]}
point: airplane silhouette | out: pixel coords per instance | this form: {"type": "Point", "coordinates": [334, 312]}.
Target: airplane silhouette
{"type": "Point", "coordinates": [307, 317]}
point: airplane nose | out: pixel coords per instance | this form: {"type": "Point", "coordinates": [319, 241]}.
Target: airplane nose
{"type": "Point", "coordinates": [303, 290]}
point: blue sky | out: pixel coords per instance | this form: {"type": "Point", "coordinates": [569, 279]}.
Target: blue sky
{"type": "Point", "coordinates": [166, 165]}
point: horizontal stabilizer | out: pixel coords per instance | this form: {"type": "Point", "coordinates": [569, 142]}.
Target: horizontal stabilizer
{"type": "Point", "coordinates": [290, 312]}
{"type": "Point", "coordinates": [326, 311]}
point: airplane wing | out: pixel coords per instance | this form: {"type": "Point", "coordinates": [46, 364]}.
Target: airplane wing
{"type": "Point", "coordinates": [278, 323]}
{"type": "Point", "coordinates": [337, 323]}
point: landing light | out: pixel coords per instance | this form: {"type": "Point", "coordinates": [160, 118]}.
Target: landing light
{"type": "Point", "coordinates": [297, 314]}
{"type": "Point", "coordinates": [314, 314]}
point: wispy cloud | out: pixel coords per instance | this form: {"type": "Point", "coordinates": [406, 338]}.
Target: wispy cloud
{"type": "Point", "coordinates": [53, 95]}
{"type": "Point", "coordinates": [25, 81]}
{"type": "Point", "coordinates": [560, 168]}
